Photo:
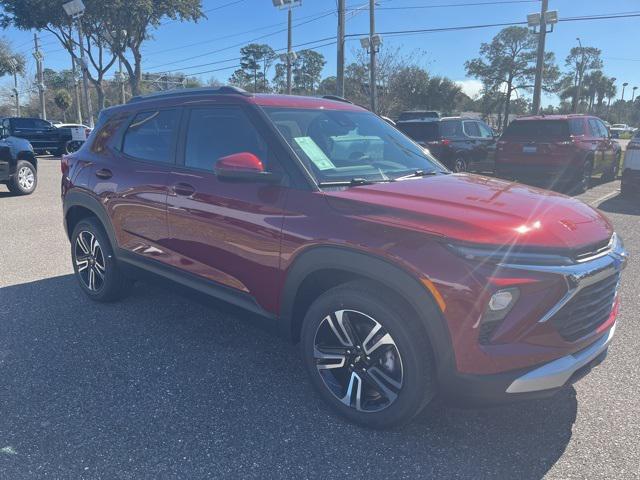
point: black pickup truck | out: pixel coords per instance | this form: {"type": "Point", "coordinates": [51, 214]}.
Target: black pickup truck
{"type": "Point", "coordinates": [42, 135]}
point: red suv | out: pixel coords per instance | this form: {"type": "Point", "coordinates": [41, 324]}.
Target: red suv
{"type": "Point", "coordinates": [400, 279]}
{"type": "Point", "coordinates": [558, 149]}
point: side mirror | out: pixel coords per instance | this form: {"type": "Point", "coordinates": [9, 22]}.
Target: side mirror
{"type": "Point", "coordinates": [245, 167]}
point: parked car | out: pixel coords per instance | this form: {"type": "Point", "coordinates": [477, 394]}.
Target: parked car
{"type": "Point", "coordinates": [621, 129]}
{"type": "Point", "coordinates": [400, 280]}
{"type": "Point", "coordinates": [631, 170]}
{"type": "Point", "coordinates": [462, 144]}
{"type": "Point", "coordinates": [43, 135]}
{"type": "Point", "coordinates": [558, 150]}
{"type": "Point", "coordinates": [418, 115]}
{"type": "Point", "coordinates": [79, 135]}
{"type": "Point", "coordinates": [18, 164]}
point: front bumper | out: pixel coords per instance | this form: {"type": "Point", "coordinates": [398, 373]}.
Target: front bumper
{"type": "Point", "coordinates": [555, 374]}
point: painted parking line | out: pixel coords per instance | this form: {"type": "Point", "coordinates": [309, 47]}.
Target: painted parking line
{"type": "Point", "coordinates": [609, 195]}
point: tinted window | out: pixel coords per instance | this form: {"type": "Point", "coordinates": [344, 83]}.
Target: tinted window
{"type": "Point", "coordinates": [451, 129]}
{"type": "Point", "coordinates": [604, 131]}
{"type": "Point", "coordinates": [485, 130]}
{"type": "Point", "coordinates": [217, 132]}
{"type": "Point", "coordinates": [471, 129]}
{"type": "Point", "coordinates": [421, 132]}
{"type": "Point", "coordinates": [19, 123]}
{"type": "Point", "coordinates": [151, 136]}
{"type": "Point", "coordinates": [537, 129]}
{"type": "Point", "coordinates": [576, 126]}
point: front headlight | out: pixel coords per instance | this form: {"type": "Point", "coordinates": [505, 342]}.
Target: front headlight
{"type": "Point", "coordinates": [509, 254]}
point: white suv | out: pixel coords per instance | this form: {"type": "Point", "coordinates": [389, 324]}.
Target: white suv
{"type": "Point", "coordinates": [631, 168]}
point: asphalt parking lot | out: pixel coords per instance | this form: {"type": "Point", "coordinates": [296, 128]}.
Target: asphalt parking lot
{"type": "Point", "coordinates": [165, 385]}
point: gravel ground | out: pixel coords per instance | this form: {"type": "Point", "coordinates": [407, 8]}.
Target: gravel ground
{"type": "Point", "coordinates": [167, 385]}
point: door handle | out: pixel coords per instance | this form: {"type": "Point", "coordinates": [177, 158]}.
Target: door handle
{"type": "Point", "coordinates": [184, 189]}
{"type": "Point", "coordinates": [104, 174]}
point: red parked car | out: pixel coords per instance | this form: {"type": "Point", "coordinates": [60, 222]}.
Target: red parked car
{"type": "Point", "coordinates": [558, 149]}
{"type": "Point", "coordinates": [401, 280]}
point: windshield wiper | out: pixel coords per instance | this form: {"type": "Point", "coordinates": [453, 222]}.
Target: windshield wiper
{"type": "Point", "coordinates": [416, 174]}
{"type": "Point", "coordinates": [353, 182]}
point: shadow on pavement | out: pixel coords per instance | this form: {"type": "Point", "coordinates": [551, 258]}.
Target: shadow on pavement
{"type": "Point", "coordinates": [163, 386]}
{"type": "Point", "coordinates": [620, 204]}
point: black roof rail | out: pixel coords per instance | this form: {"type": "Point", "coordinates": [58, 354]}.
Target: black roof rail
{"type": "Point", "coordinates": [337, 98]}
{"type": "Point", "coordinates": [183, 92]}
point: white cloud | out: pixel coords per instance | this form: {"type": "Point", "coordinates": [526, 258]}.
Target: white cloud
{"type": "Point", "coordinates": [470, 87]}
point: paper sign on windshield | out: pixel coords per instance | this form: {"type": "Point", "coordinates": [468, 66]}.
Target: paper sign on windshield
{"type": "Point", "coordinates": [315, 153]}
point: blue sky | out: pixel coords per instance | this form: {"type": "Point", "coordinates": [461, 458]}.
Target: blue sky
{"type": "Point", "coordinates": [216, 39]}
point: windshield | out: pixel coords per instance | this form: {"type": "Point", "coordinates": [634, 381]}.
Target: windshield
{"type": "Point", "coordinates": [339, 146]}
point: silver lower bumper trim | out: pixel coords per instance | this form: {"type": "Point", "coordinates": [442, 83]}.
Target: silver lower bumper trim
{"type": "Point", "coordinates": [556, 373]}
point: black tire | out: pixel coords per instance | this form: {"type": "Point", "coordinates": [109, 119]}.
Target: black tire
{"type": "Point", "coordinates": [25, 180]}
{"type": "Point", "coordinates": [612, 172]}
{"type": "Point", "coordinates": [583, 180]}
{"type": "Point", "coordinates": [109, 282]}
{"type": "Point", "coordinates": [460, 165]}
{"type": "Point", "coordinates": [409, 354]}
{"type": "Point", "coordinates": [62, 150]}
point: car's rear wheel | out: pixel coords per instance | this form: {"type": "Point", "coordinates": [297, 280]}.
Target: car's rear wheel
{"type": "Point", "coordinates": [94, 264]}
{"type": "Point", "coordinates": [460, 165]}
{"type": "Point", "coordinates": [583, 182]}
{"type": "Point", "coordinates": [25, 180]}
{"type": "Point", "coordinates": [367, 355]}
{"type": "Point", "coordinates": [612, 172]}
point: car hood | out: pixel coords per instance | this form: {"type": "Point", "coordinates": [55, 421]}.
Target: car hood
{"type": "Point", "coordinates": [476, 209]}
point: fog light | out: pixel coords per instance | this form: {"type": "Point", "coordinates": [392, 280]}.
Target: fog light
{"type": "Point", "coordinates": [500, 304]}
{"type": "Point", "coordinates": [501, 300]}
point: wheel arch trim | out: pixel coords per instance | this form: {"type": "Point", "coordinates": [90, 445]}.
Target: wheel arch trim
{"type": "Point", "coordinates": [78, 198]}
{"type": "Point", "coordinates": [407, 286]}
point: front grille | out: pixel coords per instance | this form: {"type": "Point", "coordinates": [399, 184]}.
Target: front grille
{"type": "Point", "coordinates": [589, 309]}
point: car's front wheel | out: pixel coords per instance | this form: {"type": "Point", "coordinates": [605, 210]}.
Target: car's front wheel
{"type": "Point", "coordinates": [460, 165]}
{"type": "Point", "coordinates": [94, 264]}
{"type": "Point", "coordinates": [25, 180]}
{"type": "Point", "coordinates": [367, 355]}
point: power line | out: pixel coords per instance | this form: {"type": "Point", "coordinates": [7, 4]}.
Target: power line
{"type": "Point", "coordinates": [242, 43]}
{"type": "Point", "coordinates": [453, 5]}
{"type": "Point", "coordinates": [219, 7]}
{"type": "Point", "coordinates": [224, 37]}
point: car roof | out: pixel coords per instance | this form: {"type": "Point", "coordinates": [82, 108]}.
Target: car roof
{"type": "Point", "coordinates": [236, 95]}
{"type": "Point", "coordinates": [436, 120]}
{"type": "Point", "coordinates": [552, 117]}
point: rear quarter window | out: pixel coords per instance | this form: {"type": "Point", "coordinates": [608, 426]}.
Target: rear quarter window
{"type": "Point", "coordinates": [576, 126]}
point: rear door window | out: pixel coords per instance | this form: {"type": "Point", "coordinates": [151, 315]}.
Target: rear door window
{"type": "Point", "coordinates": [151, 136]}
{"type": "Point", "coordinates": [471, 129]}
{"type": "Point", "coordinates": [452, 129]}
{"type": "Point", "coordinates": [420, 131]}
{"type": "Point", "coordinates": [485, 130]}
{"type": "Point", "coordinates": [576, 125]}
{"type": "Point", "coordinates": [538, 130]}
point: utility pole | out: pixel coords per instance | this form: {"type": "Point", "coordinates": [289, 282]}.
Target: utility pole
{"type": "Point", "coordinates": [13, 63]}
{"type": "Point", "coordinates": [76, 91]}
{"type": "Point", "coordinates": [542, 37]}
{"type": "Point", "coordinates": [372, 52]}
{"type": "Point", "coordinates": [38, 56]}
{"type": "Point", "coordinates": [340, 63]}
{"type": "Point", "coordinates": [289, 47]}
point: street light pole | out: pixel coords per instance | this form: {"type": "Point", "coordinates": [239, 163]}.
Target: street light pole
{"type": "Point", "coordinates": [76, 90]}
{"type": "Point", "coordinates": [340, 63]}
{"type": "Point", "coordinates": [633, 96]}
{"type": "Point", "coordinates": [289, 47]}
{"type": "Point", "coordinates": [123, 93]}
{"type": "Point", "coordinates": [542, 37]}
{"type": "Point", "coordinates": [85, 76]}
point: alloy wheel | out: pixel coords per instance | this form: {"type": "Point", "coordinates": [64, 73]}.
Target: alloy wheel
{"type": "Point", "coordinates": [460, 166]}
{"type": "Point", "coordinates": [89, 260]}
{"type": "Point", "coordinates": [358, 360]}
{"type": "Point", "coordinates": [26, 178]}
